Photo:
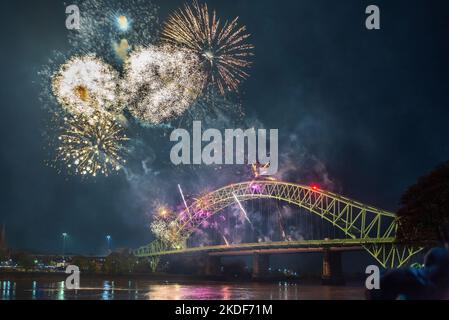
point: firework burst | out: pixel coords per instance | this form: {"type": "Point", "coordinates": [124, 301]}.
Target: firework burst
{"type": "Point", "coordinates": [166, 227]}
{"type": "Point", "coordinates": [161, 83]}
{"type": "Point", "coordinates": [85, 85]}
{"type": "Point", "coordinates": [91, 145]}
{"type": "Point", "coordinates": [221, 47]}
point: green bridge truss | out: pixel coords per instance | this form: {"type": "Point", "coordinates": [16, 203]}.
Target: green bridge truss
{"type": "Point", "coordinates": [372, 228]}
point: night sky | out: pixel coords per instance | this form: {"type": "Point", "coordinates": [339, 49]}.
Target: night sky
{"type": "Point", "coordinates": [370, 107]}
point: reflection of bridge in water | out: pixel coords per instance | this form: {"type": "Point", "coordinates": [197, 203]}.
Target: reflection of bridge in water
{"type": "Point", "coordinates": [363, 227]}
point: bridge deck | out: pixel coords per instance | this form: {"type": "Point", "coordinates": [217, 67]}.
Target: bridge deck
{"type": "Point", "coordinates": [273, 247]}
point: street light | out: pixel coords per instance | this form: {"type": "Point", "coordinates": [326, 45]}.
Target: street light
{"type": "Point", "coordinates": [108, 238]}
{"type": "Point", "coordinates": [64, 237]}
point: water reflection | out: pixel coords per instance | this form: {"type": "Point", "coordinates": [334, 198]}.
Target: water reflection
{"type": "Point", "coordinates": [108, 290]}
{"type": "Point", "coordinates": [7, 290]}
{"type": "Point", "coordinates": [247, 291]}
{"type": "Point", "coordinates": [99, 289]}
{"type": "Point", "coordinates": [61, 290]}
{"type": "Point", "coordinates": [34, 290]}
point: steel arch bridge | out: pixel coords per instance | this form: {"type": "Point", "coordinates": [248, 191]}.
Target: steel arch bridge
{"type": "Point", "coordinates": [372, 228]}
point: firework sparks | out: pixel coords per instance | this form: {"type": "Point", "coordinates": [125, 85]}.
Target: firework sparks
{"type": "Point", "coordinates": [166, 227]}
{"type": "Point", "coordinates": [163, 212]}
{"type": "Point", "coordinates": [242, 209]}
{"type": "Point", "coordinates": [166, 231]}
{"type": "Point", "coordinates": [106, 25]}
{"type": "Point", "coordinates": [85, 85]}
{"type": "Point", "coordinates": [122, 48]}
{"type": "Point", "coordinates": [183, 199]}
{"type": "Point", "coordinates": [161, 83]}
{"type": "Point", "coordinates": [222, 48]}
{"type": "Point", "coordinates": [260, 171]}
{"type": "Point", "coordinates": [226, 240]}
{"type": "Point", "coordinates": [91, 145]}
{"type": "Point", "coordinates": [123, 23]}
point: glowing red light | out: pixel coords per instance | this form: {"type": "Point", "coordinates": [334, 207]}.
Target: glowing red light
{"type": "Point", "coordinates": [315, 187]}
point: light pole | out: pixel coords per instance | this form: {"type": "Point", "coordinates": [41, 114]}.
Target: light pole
{"type": "Point", "coordinates": [64, 237]}
{"type": "Point", "coordinates": [108, 238]}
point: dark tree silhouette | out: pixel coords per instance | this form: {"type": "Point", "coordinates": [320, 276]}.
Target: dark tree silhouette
{"type": "Point", "coordinates": [424, 212]}
{"type": "Point", "coordinates": [24, 260]}
{"type": "Point", "coordinates": [3, 255]}
{"type": "Point", "coordinates": [121, 262]}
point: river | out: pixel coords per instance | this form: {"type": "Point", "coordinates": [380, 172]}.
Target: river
{"type": "Point", "coordinates": [49, 288]}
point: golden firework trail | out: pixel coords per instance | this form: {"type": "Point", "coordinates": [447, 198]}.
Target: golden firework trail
{"type": "Point", "coordinates": [91, 145]}
{"type": "Point", "coordinates": [222, 47]}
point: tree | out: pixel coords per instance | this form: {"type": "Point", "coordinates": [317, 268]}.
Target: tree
{"type": "Point", "coordinates": [424, 212]}
{"type": "Point", "coordinates": [25, 261]}
{"type": "Point", "coordinates": [3, 255]}
{"type": "Point", "coordinates": [120, 263]}
{"type": "Point", "coordinates": [143, 266]}
{"type": "Point", "coordinates": [93, 267]}
{"type": "Point", "coordinates": [81, 262]}
{"type": "Point", "coordinates": [86, 265]}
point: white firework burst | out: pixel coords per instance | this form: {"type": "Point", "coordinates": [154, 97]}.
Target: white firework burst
{"type": "Point", "coordinates": [84, 85]}
{"type": "Point", "coordinates": [161, 83]}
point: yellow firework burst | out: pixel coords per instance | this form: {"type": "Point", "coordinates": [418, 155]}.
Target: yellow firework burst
{"type": "Point", "coordinates": [222, 47]}
{"type": "Point", "coordinates": [91, 145]}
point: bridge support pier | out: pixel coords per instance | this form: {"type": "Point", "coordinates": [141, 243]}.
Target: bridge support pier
{"type": "Point", "coordinates": [332, 268]}
{"type": "Point", "coordinates": [212, 266]}
{"type": "Point", "coordinates": [261, 264]}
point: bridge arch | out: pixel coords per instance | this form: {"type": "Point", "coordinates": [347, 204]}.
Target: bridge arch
{"type": "Point", "coordinates": [373, 228]}
{"type": "Point", "coordinates": [356, 220]}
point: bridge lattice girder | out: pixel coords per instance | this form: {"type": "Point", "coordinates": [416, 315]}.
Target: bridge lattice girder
{"type": "Point", "coordinates": [375, 228]}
